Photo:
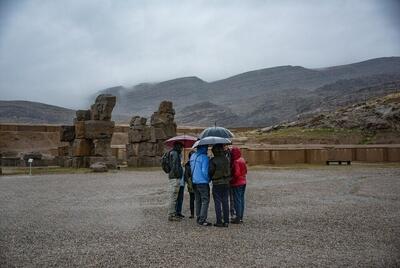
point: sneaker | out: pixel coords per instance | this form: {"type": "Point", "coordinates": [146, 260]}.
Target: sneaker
{"type": "Point", "coordinates": [174, 218]}
{"type": "Point", "coordinates": [219, 224]}
{"type": "Point", "coordinates": [180, 216]}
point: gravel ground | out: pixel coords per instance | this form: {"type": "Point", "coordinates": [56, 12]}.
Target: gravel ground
{"type": "Point", "coordinates": [327, 217]}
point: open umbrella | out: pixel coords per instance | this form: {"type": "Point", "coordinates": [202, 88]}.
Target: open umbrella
{"type": "Point", "coordinates": [211, 141]}
{"type": "Point", "coordinates": [216, 132]}
{"type": "Point", "coordinates": [186, 140]}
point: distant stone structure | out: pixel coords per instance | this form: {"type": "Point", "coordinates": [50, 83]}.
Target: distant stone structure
{"type": "Point", "coordinates": [90, 137]}
{"type": "Point", "coordinates": [146, 142]}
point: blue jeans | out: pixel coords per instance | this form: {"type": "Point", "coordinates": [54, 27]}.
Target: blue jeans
{"type": "Point", "coordinates": [220, 196]}
{"type": "Point", "coordinates": [202, 198]}
{"type": "Point", "coordinates": [238, 196]}
{"type": "Point", "coordinates": [179, 201]}
{"type": "Point", "coordinates": [231, 203]}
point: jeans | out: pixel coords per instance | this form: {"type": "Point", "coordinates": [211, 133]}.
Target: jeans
{"type": "Point", "coordinates": [220, 196]}
{"type": "Point", "coordinates": [231, 202]}
{"type": "Point", "coordinates": [202, 196]}
{"type": "Point", "coordinates": [179, 201]}
{"type": "Point", "coordinates": [173, 196]}
{"type": "Point", "coordinates": [238, 196]}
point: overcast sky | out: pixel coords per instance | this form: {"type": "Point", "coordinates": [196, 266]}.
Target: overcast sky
{"type": "Point", "coordinates": [60, 52]}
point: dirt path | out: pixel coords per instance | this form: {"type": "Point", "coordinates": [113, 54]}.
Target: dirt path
{"type": "Point", "coordinates": [330, 216]}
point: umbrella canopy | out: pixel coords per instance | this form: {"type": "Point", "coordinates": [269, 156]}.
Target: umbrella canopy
{"type": "Point", "coordinates": [211, 141]}
{"type": "Point", "coordinates": [186, 140]}
{"type": "Point", "coordinates": [216, 132]}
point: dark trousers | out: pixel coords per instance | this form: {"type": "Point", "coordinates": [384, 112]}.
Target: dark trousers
{"type": "Point", "coordinates": [191, 195]}
{"type": "Point", "coordinates": [221, 196]}
{"type": "Point", "coordinates": [179, 201]}
{"type": "Point", "coordinates": [238, 196]}
{"type": "Point", "coordinates": [202, 196]}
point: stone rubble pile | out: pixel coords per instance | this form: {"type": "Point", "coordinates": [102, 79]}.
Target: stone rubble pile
{"type": "Point", "coordinates": [90, 137]}
{"type": "Point", "coordinates": [146, 142]}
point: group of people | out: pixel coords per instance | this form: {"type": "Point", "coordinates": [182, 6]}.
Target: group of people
{"type": "Point", "coordinates": [226, 171]}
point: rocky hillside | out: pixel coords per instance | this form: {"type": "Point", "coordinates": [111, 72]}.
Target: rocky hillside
{"type": "Point", "coordinates": [34, 112]}
{"type": "Point", "coordinates": [374, 115]}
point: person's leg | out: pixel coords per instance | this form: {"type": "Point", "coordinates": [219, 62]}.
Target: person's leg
{"type": "Point", "coordinates": [198, 202]}
{"type": "Point", "coordinates": [231, 203]}
{"type": "Point", "coordinates": [179, 202]}
{"type": "Point", "coordinates": [204, 199]}
{"type": "Point", "coordinates": [216, 190]}
{"type": "Point", "coordinates": [192, 198]}
{"type": "Point", "coordinates": [173, 196]}
{"type": "Point", "coordinates": [236, 201]}
{"type": "Point", "coordinates": [225, 203]}
{"type": "Point", "coordinates": [242, 203]}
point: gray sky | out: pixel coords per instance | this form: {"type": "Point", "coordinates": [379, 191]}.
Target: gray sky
{"type": "Point", "coordinates": [60, 52]}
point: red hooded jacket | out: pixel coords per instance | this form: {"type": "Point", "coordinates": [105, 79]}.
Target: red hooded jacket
{"type": "Point", "coordinates": [239, 168]}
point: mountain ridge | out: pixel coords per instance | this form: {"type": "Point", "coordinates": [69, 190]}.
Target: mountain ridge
{"type": "Point", "coordinates": [258, 97]}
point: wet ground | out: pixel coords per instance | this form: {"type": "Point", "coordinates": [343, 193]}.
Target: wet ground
{"type": "Point", "coordinates": [331, 216]}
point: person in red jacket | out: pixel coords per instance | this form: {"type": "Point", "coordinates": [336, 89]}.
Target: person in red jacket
{"type": "Point", "coordinates": [238, 183]}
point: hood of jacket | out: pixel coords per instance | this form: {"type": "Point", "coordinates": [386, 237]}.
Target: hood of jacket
{"type": "Point", "coordinates": [218, 150]}
{"type": "Point", "coordinates": [178, 147]}
{"type": "Point", "coordinates": [235, 152]}
{"type": "Point", "coordinates": [202, 149]}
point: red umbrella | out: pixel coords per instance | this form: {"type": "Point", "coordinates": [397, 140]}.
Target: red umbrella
{"type": "Point", "coordinates": [186, 140]}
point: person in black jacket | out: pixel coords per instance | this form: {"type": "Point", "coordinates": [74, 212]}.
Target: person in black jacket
{"type": "Point", "coordinates": [174, 176]}
{"type": "Point", "coordinates": [220, 173]}
{"type": "Point", "coordinates": [190, 186]}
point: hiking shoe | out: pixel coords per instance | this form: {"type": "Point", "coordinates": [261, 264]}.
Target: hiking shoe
{"type": "Point", "coordinates": [221, 224]}
{"type": "Point", "coordinates": [180, 216]}
{"type": "Point", "coordinates": [205, 223]}
{"type": "Point", "coordinates": [174, 218]}
{"type": "Point", "coordinates": [235, 221]}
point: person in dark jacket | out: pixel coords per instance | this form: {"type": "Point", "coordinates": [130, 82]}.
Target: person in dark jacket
{"type": "Point", "coordinates": [179, 202]}
{"type": "Point", "coordinates": [189, 183]}
{"type": "Point", "coordinates": [238, 183]}
{"type": "Point", "coordinates": [174, 176]}
{"type": "Point", "coordinates": [199, 163]}
{"type": "Point", "coordinates": [220, 172]}
{"type": "Point", "coordinates": [227, 151]}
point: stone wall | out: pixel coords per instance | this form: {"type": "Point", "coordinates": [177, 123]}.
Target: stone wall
{"type": "Point", "coordinates": [146, 142]}
{"type": "Point", "coordinates": [358, 153]}
{"type": "Point", "coordinates": [89, 139]}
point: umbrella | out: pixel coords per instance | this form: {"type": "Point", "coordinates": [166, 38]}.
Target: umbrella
{"type": "Point", "coordinates": [216, 132]}
{"type": "Point", "coordinates": [211, 141]}
{"type": "Point", "coordinates": [186, 140]}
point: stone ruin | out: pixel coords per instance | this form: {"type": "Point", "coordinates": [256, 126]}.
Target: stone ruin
{"type": "Point", "coordinates": [146, 142]}
{"type": "Point", "coordinates": [89, 139]}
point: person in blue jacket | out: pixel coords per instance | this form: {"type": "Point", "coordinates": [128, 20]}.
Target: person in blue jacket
{"type": "Point", "coordinates": [199, 163]}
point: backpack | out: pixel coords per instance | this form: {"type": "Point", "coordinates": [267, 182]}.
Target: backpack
{"type": "Point", "coordinates": [165, 162]}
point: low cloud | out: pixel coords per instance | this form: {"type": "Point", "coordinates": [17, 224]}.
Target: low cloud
{"type": "Point", "coordinates": [61, 52]}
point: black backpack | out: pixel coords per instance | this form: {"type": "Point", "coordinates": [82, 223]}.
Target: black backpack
{"type": "Point", "coordinates": [165, 162]}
